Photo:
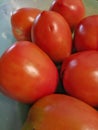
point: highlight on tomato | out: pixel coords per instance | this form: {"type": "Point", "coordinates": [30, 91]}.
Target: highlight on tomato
{"type": "Point", "coordinates": [61, 112]}
{"type": "Point", "coordinates": [72, 10]}
{"type": "Point", "coordinates": [52, 34]}
{"type": "Point", "coordinates": [79, 74]}
{"type": "Point", "coordinates": [86, 34]}
{"type": "Point", "coordinates": [21, 22]}
{"type": "Point", "coordinates": [27, 73]}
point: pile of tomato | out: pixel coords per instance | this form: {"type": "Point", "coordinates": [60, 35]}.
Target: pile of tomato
{"type": "Point", "coordinates": [54, 49]}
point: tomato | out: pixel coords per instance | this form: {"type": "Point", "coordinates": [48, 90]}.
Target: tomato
{"type": "Point", "coordinates": [27, 73]}
{"type": "Point", "coordinates": [61, 112]}
{"type": "Point", "coordinates": [21, 21]}
{"type": "Point", "coordinates": [86, 34]}
{"type": "Point", "coordinates": [52, 34]}
{"type": "Point", "coordinates": [72, 10]}
{"type": "Point", "coordinates": [79, 74]}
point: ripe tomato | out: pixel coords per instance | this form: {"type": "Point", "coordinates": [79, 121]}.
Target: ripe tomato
{"type": "Point", "coordinates": [80, 76]}
{"type": "Point", "coordinates": [72, 10]}
{"type": "Point", "coordinates": [21, 21]}
{"type": "Point", "coordinates": [86, 34]}
{"type": "Point", "coordinates": [53, 35]}
{"type": "Point", "coordinates": [27, 73]}
{"type": "Point", "coordinates": [61, 112]}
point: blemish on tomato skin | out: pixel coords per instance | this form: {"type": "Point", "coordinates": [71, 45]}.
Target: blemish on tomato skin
{"type": "Point", "coordinates": [18, 31]}
{"type": "Point", "coordinates": [52, 27]}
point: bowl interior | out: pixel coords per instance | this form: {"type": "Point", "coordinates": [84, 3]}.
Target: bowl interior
{"type": "Point", "coordinates": [13, 113]}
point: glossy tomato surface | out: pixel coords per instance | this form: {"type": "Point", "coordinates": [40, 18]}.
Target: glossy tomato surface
{"type": "Point", "coordinates": [86, 34]}
{"type": "Point", "coordinates": [72, 10]}
{"type": "Point", "coordinates": [27, 73]}
{"type": "Point", "coordinates": [21, 21]}
{"type": "Point", "coordinates": [61, 112]}
{"type": "Point", "coordinates": [80, 76]}
{"type": "Point", "coordinates": [53, 35]}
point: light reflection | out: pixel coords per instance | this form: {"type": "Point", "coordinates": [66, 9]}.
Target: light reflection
{"type": "Point", "coordinates": [73, 63]}
{"type": "Point", "coordinates": [31, 19]}
{"type": "Point", "coordinates": [11, 48]}
{"type": "Point", "coordinates": [31, 70]}
{"type": "Point", "coordinates": [48, 108]}
{"type": "Point", "coordinates": [86, 128]}
{"type": "Point", "coordinates": [95, 75]}
{"type": "Point", "coordinates": [81, 29]}
{"type": "Point", "coordinates": [4, 35]}
{"type": "Point", "coordinates": [72, 7]}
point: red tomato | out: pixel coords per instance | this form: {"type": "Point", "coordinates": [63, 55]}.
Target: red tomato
{"type": "Point", "coordinates": [21, 21]}
{"type": "Point", "coordinates": [27, 73]}
{"type": "Point", "coordinates": [53, 35]}
{"type": "Point", "coordinates": [86, 34]}
{"type": "Point", "coordinates": [72, 10]}
{"type": "Point", "coordinates": [80, 76]}
{"type": "Point", "coordinates": [61, 112]}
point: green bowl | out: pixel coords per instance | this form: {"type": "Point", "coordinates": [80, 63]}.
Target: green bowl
{"type": "Point", "coordinates": [13, 113]}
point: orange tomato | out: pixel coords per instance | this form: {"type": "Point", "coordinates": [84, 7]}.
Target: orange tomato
{"type": "Point", "coordinates": [21, 21]}
{"type": "Point", "coordinates": [61, 112]}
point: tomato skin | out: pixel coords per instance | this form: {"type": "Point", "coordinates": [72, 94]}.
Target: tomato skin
{"type": "Point", "coordinates": [86, 34]}
{"type": "Point", "coordinates": [72, 10]}
{"type": "Point", "coordinates": [61, 112]}
{"type": "Point", "coordinates": [53, 35]}
{"type": "Point", "coordinates": [21, 21]}
{"type": "Point", "coordinates": [79, 74]}
{"type": "Point", "coordinates": [27, 73]}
